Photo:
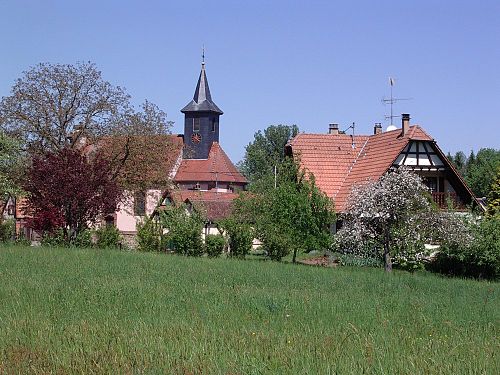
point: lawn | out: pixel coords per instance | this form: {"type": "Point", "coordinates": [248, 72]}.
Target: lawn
{"type": "Point", "coordinates": [103, 311]}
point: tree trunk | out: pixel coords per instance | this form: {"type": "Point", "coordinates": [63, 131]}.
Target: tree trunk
{"type": "Point", "coordinates": [387, 253]}
{"type": "Point", "coordinates": [387, 261]}
{"type": "Point", "coordinates": [294, 255]}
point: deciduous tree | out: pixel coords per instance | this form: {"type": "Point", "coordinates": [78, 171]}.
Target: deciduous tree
{"type": "Point", "coordinates": [388, 217]}
{"type": "Point", "coordinates": [293, 217]}
{"type": "Point", "coordinates": [67, 190]}
{"type": "Point", "coordinates": [11, 162]}
{"type": "Point", "coordinates": [58, 106]}
{"type": "Point", "coordinates": [266, 152]}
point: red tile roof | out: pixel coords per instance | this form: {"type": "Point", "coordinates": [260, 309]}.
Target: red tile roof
{"type": "Point", "coordinates": [218, 167]}
{"type": "Point", "coordinates": [337, 166]}
{"type": "Point", "coordinates": [214, 205]}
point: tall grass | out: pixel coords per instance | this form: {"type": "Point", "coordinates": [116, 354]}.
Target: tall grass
{"type": "Point", "coordinates": [91, 311]}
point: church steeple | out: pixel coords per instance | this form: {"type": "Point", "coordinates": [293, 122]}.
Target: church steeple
{"type": "Point", "coordinates": [201, 120]}
{"type": "Point", "coordinates": [202, 99]}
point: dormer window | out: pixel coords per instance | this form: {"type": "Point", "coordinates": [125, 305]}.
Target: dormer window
{"type": "Point", "coordinates": [196, 125]}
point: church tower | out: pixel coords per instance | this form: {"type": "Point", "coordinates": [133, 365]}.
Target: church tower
{"type": "Point", "coordinates": [201, 121]}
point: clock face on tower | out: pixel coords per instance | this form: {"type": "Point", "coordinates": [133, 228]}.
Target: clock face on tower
{"type": "Point", "coordinates": [196, 138]}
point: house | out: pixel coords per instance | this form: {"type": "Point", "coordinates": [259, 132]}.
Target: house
{"type": "Point", "coordinates": [340, 161]}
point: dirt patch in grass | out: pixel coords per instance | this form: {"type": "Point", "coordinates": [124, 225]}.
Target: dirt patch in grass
{"type": "Point", "coordinates": [321, 261]}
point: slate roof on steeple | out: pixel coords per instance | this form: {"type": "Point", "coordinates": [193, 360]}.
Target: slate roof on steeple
{"type": "Point", "coordinates": [202, 100]}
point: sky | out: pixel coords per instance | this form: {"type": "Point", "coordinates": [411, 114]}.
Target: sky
{"type": "Point", "coordinates": [308, 63]}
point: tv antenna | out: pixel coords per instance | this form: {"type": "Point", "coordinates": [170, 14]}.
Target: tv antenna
{"type": "Point", "coordinates": [352, 136]}
{"type": "Point", "coordinates": [391, 101]}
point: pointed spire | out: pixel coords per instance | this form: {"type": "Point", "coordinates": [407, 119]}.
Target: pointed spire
{"type": "Point", "coordinates": [202, 99]}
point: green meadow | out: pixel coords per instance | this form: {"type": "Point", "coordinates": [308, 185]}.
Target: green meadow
{"type": "Point", "coordinates": [67, 311]}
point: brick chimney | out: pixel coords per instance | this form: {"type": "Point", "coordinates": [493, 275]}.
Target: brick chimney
{"type": "Point", "coordinates": [377, 129]}
{"type": "Point", "coordinates": [333, 129]}
{"type": "Point", "coordinates": [405, 119]}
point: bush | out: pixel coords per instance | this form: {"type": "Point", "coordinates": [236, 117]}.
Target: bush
{"type": "Point", "coordinates": [480, 258]}
{"type": "Point", "coordinates": [83, 239]}
{"type": "Point", "coordinates": [150, 236]}
{"type": "Point", "coordinates": [59, 239]}
{"type": "Point", "coordinates": [276, 246]}
{"type": "Point", "coordinates": [108, 236]}
{"type": "Point", "coordinates": [240, 237]}
{"type": "Point", "coordinates": [55, 239]}
{"type": "Point", "coordinates": [7, 231]}
{"type": "Point", "coordinates": [214, 245]}
{"type": "Point", "coordinates": [184, 231]}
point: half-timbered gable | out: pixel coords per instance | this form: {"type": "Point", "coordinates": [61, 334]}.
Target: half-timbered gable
{"type": "Point", "coordinates": [340, 161]}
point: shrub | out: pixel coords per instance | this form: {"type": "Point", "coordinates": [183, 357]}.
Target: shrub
{"type": "Point", "coordinates": [7, 231]}
{"type": "Point", "coordinates": [108, 236]}
{"type": "Point", "coordinates": [214, 245]}
{"type": "Point", "coordinates": [184, 231]}
{"type": "Point", "coordinates": [83, 239]}
{"type": "Point", "coordinates": [55, 239]}
{"type": "Point", "coordinates": [276, 246]}
{"type": "Point", "coordinates": [479, 258]}
{"type": "Point", "coordinates": [240, 237]}
{"type": "Point", "coordinates": [150, 236]}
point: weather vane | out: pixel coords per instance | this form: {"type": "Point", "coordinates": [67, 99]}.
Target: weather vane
{"type": "Point", "coordinates": [203, 54]}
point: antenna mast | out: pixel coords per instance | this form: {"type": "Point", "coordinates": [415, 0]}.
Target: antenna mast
{"type": "Point", "coordinates": [391, 101]}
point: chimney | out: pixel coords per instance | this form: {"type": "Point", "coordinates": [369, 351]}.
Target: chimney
{"type": "Point", "coordinates": [406, 123]}
{"type": "Point", "coordinates": [333, 129]}
{"type": "Point", "coordinates": [377, 129]}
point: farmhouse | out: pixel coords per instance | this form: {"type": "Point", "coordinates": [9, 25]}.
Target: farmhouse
{"type": "Point", "coordinates": [340, 161]}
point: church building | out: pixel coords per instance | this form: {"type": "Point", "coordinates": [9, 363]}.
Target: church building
{"type": "Point", "coordinates": [202, 174]}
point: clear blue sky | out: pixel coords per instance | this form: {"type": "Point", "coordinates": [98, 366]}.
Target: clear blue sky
{"type": "Point", "coordinates": [293, 62]}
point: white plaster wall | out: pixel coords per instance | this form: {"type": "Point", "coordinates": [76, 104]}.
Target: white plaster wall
{"type": "Point", "coordinates": [125, 219]}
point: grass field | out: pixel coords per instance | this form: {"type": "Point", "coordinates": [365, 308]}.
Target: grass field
{"type": "Point", "coordinates": [89, 311]}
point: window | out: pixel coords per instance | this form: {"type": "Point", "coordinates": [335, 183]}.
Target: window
{"type": "Point", "coordinates": [431, 183]}
{"type": "Point", "coordinates": [196, 125]}
{"type": "Point", "coordinates": [140, 203]}
{"type": "Point", "coordinates": [214, 125]}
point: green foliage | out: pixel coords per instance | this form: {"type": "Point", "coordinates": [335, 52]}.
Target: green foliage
{"type": "Point", "coordinates": [7, 230]}
{"type": "Point", "coordinates": [59, 238]}
{"type": "Point", "coordinates": [214, 245]}
{"type": "Point", "coordinates": [293, 217]}
{"type": "Point", "coordinates": [55, 238]}
{"type": "Point", "coordinates": [479, 169]}
{"type": "Point", "coordinates": [108, 236]}
{"type": "Point", "coordinates": [184, 230]}
{"type": "Point", "coordinates": [493, 208]}
{"type": "Point", "coordinates": [11, 162]}
{"type": "Point", "coordinates": [240, 237]}
{"type": "Point", "coordinates": [358, 261]}
{"type": "Point", "coordinates": [83, 239]}
{"type": "Point", "coordinates": [266, 152]}
{"type": "Point", "coordinates": [150, 236]}
{"type": "Point", "coordinates": [479, 258]}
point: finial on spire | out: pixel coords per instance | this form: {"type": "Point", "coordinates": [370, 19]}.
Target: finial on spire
{"type": "Point", "coordinates": [203, 55]}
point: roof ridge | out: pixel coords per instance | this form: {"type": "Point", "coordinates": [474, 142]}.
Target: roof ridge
{"type": "Point", "coordinates": [351, 167]}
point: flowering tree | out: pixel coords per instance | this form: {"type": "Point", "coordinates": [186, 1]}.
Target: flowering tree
{"type": "Point", "coordinates": [67, 190]}
{"type": "Point", "coordinates": [388, 217]}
